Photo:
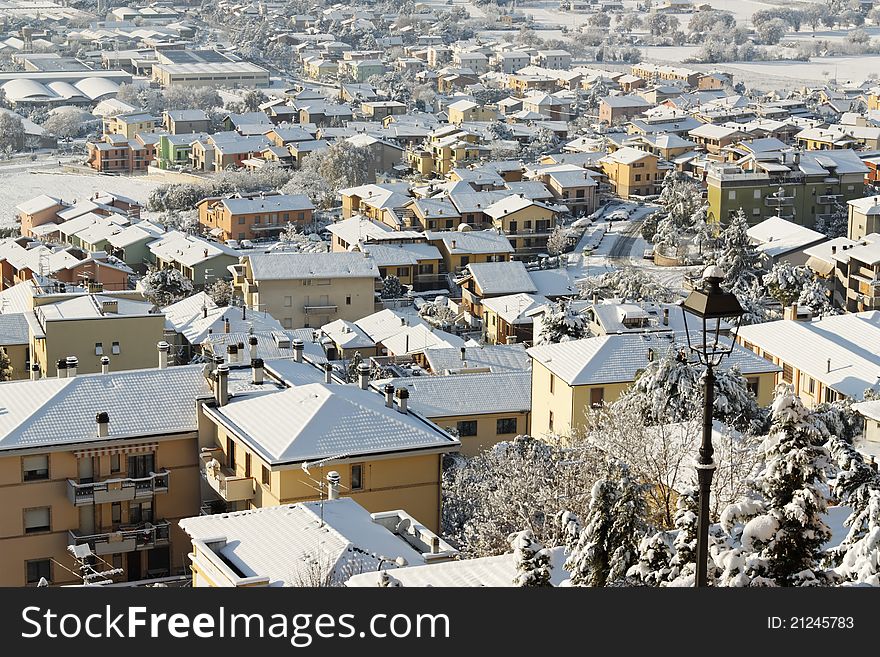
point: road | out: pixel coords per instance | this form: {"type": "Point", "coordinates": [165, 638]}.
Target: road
{"type": "Point", "coordinates": [626, 240]}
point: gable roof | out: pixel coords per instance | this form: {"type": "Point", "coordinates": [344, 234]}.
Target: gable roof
{"type": "Point", "coordinates": [498, 278]}
{"type": "Point", "coordinates": [295, 266]}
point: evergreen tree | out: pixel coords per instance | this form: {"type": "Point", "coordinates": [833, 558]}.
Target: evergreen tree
{"type": "Point", "coordinates": [532, 560]}
{"type": "Point", "coordinates": [391, 287]}
{"type": "Point", "coordinates": [816, 296]}
{"type": "Point", "coordinates": [562, 323]}
{"type": "Point", "coordinates": [861, 561]}
{"type": "Point", "coordinates": [5, 366]}
{"type": "Point", "coordinates": [655, 556]}
{"type": "Point", "coordinates": [742, 263]}
{"type": "Point", "coordinates": [683, 563]}
{"type": "Point", "coordinates": [162, 287]}
{"type": "Point", "coordinates": [351, 371]}
{"type": "Point", "coordinates": [785, 281]}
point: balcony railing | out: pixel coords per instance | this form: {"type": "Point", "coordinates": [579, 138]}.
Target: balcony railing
{"type": "Point", "coordinates": [224, 481]}
{"type": "Point", "coordinates": [319, 308]}
{"type": "Point", "coordinates": [827, 199]}
{"type": "Point", "coordinates": [145, 536]}
{"type": "Point", "coordinates": [117, 490]}
{"type": "Point", "coordinates": [776, 201]}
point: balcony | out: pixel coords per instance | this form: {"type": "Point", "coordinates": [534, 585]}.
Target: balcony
{"type": "Point", "coordinates": [319, 308]}
{"type": "Point", "coordinates": [117, 490]}
{"type": "Point", "coordinates": [145, 536]}
{"type": "Point", "coordinates": [776, 201]}
{"type": "Point", "coordinates": [827, 199]}
{"type": "Point", "coordinates": [224, 481]}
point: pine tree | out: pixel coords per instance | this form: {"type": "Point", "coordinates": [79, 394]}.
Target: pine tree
{"type": "Point", "coordinates": [861, 560]}
{"type": "Point", "coordinates": [5, 366]}
{"type": "Point", "coordinates": [816, 296]}
{"type": "Point", "coordinates": [742, 263]}
{"type": "Point", "coordinates": [562, 323]}
{"type": "Point", "coordinates": [655, 556]}
{"type": "Point", "coordinates": [686, 519]}
{"type": "Point", "coordinates": [391, 287]}
{"type": "Point", "coordinates": [163, 287]}
{"type": "Point", "coordinates": [351, 372]}
{"type": "Point", "coordinates": [532, 560]}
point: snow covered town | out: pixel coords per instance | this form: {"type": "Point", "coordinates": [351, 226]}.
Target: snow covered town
{"type": "Point", "coordinates": [450, 294]}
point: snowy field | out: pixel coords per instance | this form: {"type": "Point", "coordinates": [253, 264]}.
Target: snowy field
{"type": "Point", "coordinates": [21, 185]}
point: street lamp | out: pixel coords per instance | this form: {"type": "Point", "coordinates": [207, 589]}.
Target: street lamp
{"type": "Point", "coordinates": [715, 309]}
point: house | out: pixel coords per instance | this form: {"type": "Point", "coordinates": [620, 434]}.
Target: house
{"type": "Point", "coordinates": [466, 111]}
{"type": "Point", "coordinates": [479, 358]}
{"type": "Point", "coordinates": [569, 378]}
{"type": "Point", "coordinates": [619, 109]}
{"type": "Point", "coordinates": [864, 217]}
{"type": "Point", "coordinates": [461, 248]}
{"type": "Point", "coordinates": [571, 186]}
{"type": "Point", "coordinates": [507, 319]}
{"type": "Point", "coordinates": [416, 265]}
{"type": "Point", "coordinates": [713, 138]}
{"type": "Point", "coordinates": [492, 279]}
{"type": "Point", "coordinates": [527, 223]}
{"type": "Point", "coordinates": [254, 216]}
{"type": "Point", "coordinates": [857, 272]}
{"type": "Point", "coordinates": [118, 154]}
{"type": "Point", "coordinates": [323, 542]}
{"type": "Point", "coordinates": [308, 289]}
{"type": "Point", "coordinates": [870, 411]}
{"type": "Point", "coordinates": [84, 466]}
{"type": "Point", "coordinates": [182, 122]}
{"type": "Point", "coordinates": [469, 406]}
{"type": "Point", "coordinates": [200, 260]}
{"type": "Point", "coordinates": [268, 448]}
{"type": "Point", "coordinates": [633, 172]}
{"type": "Point", "coordinates": [131, 244]}
{"type": "Point", "coordinates": [380, 109]}
{"type": "Point", "coordinates": [781, 240]}
{"type": "Point", "coordinates": [15, 343]}
{"type": "Point", "coordinates": [129, 125]}
{"type": "Point", "coordinates": [553, 59]}
{"type": "Point", "coordinates": [37, 211]}
{"type": "Point", "coordinates": [836, 357]}
{"type": "Point", "coordinates": [175, 151]}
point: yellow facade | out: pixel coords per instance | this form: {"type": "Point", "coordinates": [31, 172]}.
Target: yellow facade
{"type": "Point", "coordinates": [177, 455]}
{"type": "Point", "coordinates": [642, 178]}
{"type": "Point", "coordinates": [487, 429]}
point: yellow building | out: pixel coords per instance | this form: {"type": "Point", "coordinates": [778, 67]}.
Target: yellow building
{"type": "Point", "coordinates": [461, 248]}
{"type": "Point", "coordinates": [484, 280]}
{"type": "Point", "coordinates": [526, 223]}
{"type": "Point", "coordinates": [107, 460]}
{"type": "Point", "coordinates": [431, 214]}
{"type": "Point", "coordinates": [255, 447]}
{"type": "Point", "coordinates": [633, 172]}
{"type": "Point", "coordinates": [129, 125]}
{"type": "Point", "coordinates": [569, 378]}
{"type": "Point", "coordinates": [308, 289]}
{"type": "Point", "coordinates": [864, 217]}
{"type": "Point", "coordinates": [508, 319]}
{"type": "Point", "coordinates": [447, 148]}
{"type": "Point", "coordinates": [481, 408]}
{"type": "Point", "coordinates": [88, 327]}
{"type": "Point", "coordinates": [417, 265]}
{"type": "Point", "coordinates": [463, 111]}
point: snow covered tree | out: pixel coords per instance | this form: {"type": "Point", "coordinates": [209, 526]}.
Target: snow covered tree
{"type": "Point", "coordinates": [220, 292]}
{"type": "Point", "coordinates": [5, 366]}
{"type": "Point", "coordinates": [785, 281]}
{"type": "Point", "coordinates": [655, 554]}
{"type": "Point", "coordinates": [684, 560]}
{"type": "Point", "coordinates": [627, 283]}
{"type": "Point", "coordinates": [532, 560]}
{"type": "Point", "coordinates": [351, 369]}
{"type": "Point", "coordinates": [162, 287]}
{"type": "Point", "coordinates": [860, 563]}
{"type": "Point", "coordinates": [683, 200]}
{"type": "Point", "coordinates": [323, 173]}
{"type": "Point", "coordinates": [816, 296]}
{"type": "Point", "coordinates": [571, 529]}
{"type": "Point", "coordinates": [11, 133]}
{"type": "Point", "coordinates": [392, 288]}
{"type": "Point", "coordinates": [835, 224]}
{"type": "Point", "coordinates": [608, 544]}
{"type": "Point", "coordinates": [67, 122]}
{"type": "Point", "coordinates": [777, 536]}
{"type": "Point", "coordinates": [742, 263]}
{"type": "Point", "coordinates": [561, 323]}
{"type": "Point", "coordinates": [252, 100]}
{"type": "Point", "coordinates": [561, 240]}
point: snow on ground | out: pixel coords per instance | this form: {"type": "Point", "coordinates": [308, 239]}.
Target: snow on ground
{"type": "Point", "coordinates": [22, 185]}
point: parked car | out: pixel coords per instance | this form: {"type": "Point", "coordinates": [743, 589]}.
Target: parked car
{"type": "Point", "coordinates": [648, 254]}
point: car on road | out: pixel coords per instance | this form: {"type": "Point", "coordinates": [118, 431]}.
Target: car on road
{"type": "Point", "coordinates": [648, 254]}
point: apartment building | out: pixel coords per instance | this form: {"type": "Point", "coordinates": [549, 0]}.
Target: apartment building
{"type": "Point", "coordinates": [633, 172]}
{"type": "Point", "coordinates": [676, 74]}
{"type": "Point", "coordinates": [526, 223]}
{"type": "Point", "coordinates": [108, 461]}
{"type": "Point", "coordinates": [461, 248]}
{"type": "Point", "coordinates": [308, 289]}
{"type": "Point", "coordinates": [183, 122]}
{"type": "Point", "coordinates": [254, 216]}
{"type": "Point", "coordinates": [569, 378]}
{"type": "Point", "coordinates": [836, 357]}
{"type": "Point", "coordinates": [116, 153]}
{"type": "Point", "coordinates": [619, 109]}
{"type": "Point", "coordinates": [857, 273]}
{"type": "Point", "coordinates": [483, 280]}
{"type": "Point", "coordinates": [201, 261]}
{"type": "Point", "coordinates": [864, 217]}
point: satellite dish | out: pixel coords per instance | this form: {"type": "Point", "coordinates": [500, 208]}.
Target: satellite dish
{"type": "Point", "coordinates": [403, 526]}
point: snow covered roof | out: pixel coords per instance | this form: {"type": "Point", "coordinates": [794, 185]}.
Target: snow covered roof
{"type": "Point", "coordinates": [38, 204]}
{"type": "Point", "coordinates": [499, 278]}
{"type": "Point", "coordinates": [553, 283]}
{"type": "Point", "coordinates": [497, 358]}
{"type": "Point", "coordinates": [498, 571]}
{"type": "Point", "coordinates": [870, 409]}
{"type": "Point", "coordinates": [870, 205]}
{"type": "Point", "coordinates": [619, 358]}
{"type": "Point", "coordinates": [777, 236]}
{"type": "Point", "coordinates": [627, 155]}
{"type": "Point", "coordinates": [851, 342]}
{"type": "Point", "coordinates": [272, 203]}
{"type": "Point", "coordinates": [285, 543]}
{"type": "Point", "coordinates": [295, 266]}
{"type": "Point", "coordinates": [386, 323]}
{"type": "Point", "coordinates": [326, 421]}
{"type": "Point", "coordinates": [348, 335]}
{"type": "Point", "coordinates": [197, 317]}
{"type": "Point", "coordinates": [400, 254]}
{"type": "Point", "coordinates": [141, 403]}
{"type": "Point", "coordinates": [189, 250]}
{"type": "Point", "coordinates": [419, 338]}
{"type": "Point", "coordinates": [513, 308]}
{"type": "Point", "coordinates": [466, 394]}
{"type": "Point", "coordinates": [13, 329]}
{"type": "Point", "coordinates": [513, 203]}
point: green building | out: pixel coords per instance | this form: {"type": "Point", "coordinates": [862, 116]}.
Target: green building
{"type": "Point", "coordinates": [800, 186]}
{"type": "Point", "coordinates": [174, 150]}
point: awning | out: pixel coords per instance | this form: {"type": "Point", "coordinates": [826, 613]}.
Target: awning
{"type": "Point", "coordinates": [108, 450]}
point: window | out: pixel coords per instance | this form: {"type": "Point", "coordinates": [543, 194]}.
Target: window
{"type": "Point", "coordinates": [467, 428]}
{"type": "Point", "coordinates": [37, 520]}
{"type": "Point", "coordinates": [35, 468]}
{"type": "Point", "coordinates": [139, 513]}
{"type": "Point", "coordinates": [552, 384]}
{"type": "Point", "coordinates": [99, 349]}
{"type": "Point", "coordinates": [357, 476]}
{"type": "Point", "coordinates": [241, 220]}
{"type": "Point", "coordinates": [288, 302]}
{"type": "Point", "coordinates": [550, 422]}
{"type": "Point", "coordinates": [597, 397]}
{"type": "Point", "coordinates": [811, 385]}
{"type": "Point", "coordinates": [505, 425]}
{"type": "Point", "coordinates": [116, 513]}
{"type": "Point", "coordinates": [114, 349]}
{"type": "Point", "coordinates": [757, 193]}
{"type": "Point", "coordinates": [348, 300]}
{"type": "Point", "coordinates": [756, 212]}
{"type": "Point", "coordinates": [265, 476]}
{"type": "Point", "coordinates": [731, 195]}
{"type": "Point", "coordinates": [638, 177]}
{"type": "Point", "coordinates": [230, 454]}
{"type": "Point", "coordinates": [287, 322]}
{"type": "Point", "coordinates": [38, 569]}
{"type": "Point", "coordinates": [114, 463]}
{"type": "Point", "coordinates": [752, 384]}
{"type": "Point", "coordinates": [307, 281]}
{"type": "Point", "coordinates": [141, 466]}
{"type": "Point", "coordinates": [787, 374]}
{"type": "Point", "coordinates": [247, 464]}
{"type": "Point", "coordinates": [402, 272]}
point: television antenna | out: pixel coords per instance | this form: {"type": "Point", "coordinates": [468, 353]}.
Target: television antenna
{"type": "Point", "coordinates": [319, 484]}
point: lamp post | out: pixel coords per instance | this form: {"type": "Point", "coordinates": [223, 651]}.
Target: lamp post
{"type": "Point", "coordinates": [718, 312]}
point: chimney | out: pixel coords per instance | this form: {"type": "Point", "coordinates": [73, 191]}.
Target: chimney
{"type": "Point", "coordinates": [389, 395]}
{"type": "Point", "coordinates": [328, 373]}
{"type": "Point", "coordinates": [204, 311]}
{"type": "Point", "coordinates": [257, 370]}
{"type": "Point", "coordinates": [595, 298]}
{"type": "Point", "coordinates": [435, 545]}
{"type": "Point", "coordinates": [453, 245]}
{"type": "Point", "coordinates": [463, 353]}
{"type": "Point", "coordinates": [72, 363]}
{"type": "Point", "coordinates": [221, 392]}
{"type": "Point", "coordinates": [666, 317]}
{"type": "Point", "coordinates": [232, 354]}
{"type": "Point", "coordinates": [163, 348]}
{"type": "Point", "coordinates": [833, 249]}
{"type": "Point", "coordinates": [105, 364]}
{"type": "Point", "coordinates": [102, 419]}
{"type": "Point", "coordinates": [791, 312]}
{"type": "Point", "coordinates": [226, 325]}
{"type": "Point", "coordinates": [297, 350]}
{"type": "Point", "coordinates": [62, 368]}
{"type": "Point", "coordinates": [828, 364]}
{"type": "Point", "coordinates": [35, 372]}
{"type": "Point", "coordinates": [650, 354]}
{"type": "Point", "coordinates": [402, 396]}
{"type": "Point", "coordinates": [333, 485]}
{"type": "Point", "coordinates": [252, 346]}
{"type": "Point", "coordinates": [364, 376]}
